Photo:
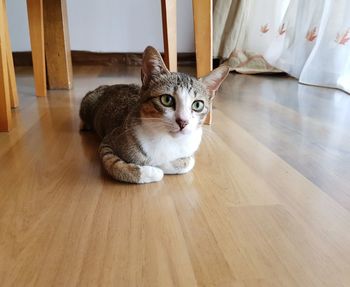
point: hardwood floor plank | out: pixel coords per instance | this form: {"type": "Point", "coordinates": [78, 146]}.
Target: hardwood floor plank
{"type": "Point", "coordinates": [317, 149]}
{"type": "Point", "coordinates": [250, 213]}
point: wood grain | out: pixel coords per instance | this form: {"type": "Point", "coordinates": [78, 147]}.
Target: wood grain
{"type": "Point", "coordinates": [266, 204]}
{"type": "Point", "coordinates": [57, 45]}
{"type": "Point", "coordinates": [36, 29]}
{"type": "Point", "coordinates": [169, 33]}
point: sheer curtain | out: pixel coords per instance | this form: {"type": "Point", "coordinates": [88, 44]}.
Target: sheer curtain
{"type": "Point", "coordinates": [309, 39]}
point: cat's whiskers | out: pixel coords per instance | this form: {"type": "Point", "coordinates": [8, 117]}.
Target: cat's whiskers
{"type": "Point", "coordinates": [161, 122]}
{"type": "Point", "coordinates": [157, 120]}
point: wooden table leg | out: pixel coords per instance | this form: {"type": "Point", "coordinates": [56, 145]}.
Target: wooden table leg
{"type": "Point", "coordinates": [203, 27]}
{"type": "Point", "coordinates": [10, 66]}
{"type": "Point", "coordinates": [5, 107]}
{"type": "Point", "coordinates": [57, 47]}
{"type": "Point", "coordinates": [169, 33]}
{"type": "Point", "coordinates": [36, 29]}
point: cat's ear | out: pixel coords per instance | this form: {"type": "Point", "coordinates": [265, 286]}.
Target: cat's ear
{"type": "Point", "coordinates": [213, 80]}
{"type": "Point", "coordinates": [152, 65]}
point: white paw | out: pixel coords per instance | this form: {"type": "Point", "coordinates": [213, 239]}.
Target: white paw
{"type": "Point", "coordinates": [189, 167]}
{"type": "Point", "coordinates": [150, 174]}
{"type": "Point", "coordinates": [169, 168]}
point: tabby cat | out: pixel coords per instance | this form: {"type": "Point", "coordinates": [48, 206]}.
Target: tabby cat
{"type": "Point", "coordinates": [154, 129]}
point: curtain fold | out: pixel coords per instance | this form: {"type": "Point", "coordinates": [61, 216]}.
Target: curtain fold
{"type": "Point", "coordinates": [229, 21]}
{"type": "Point", "coordinates": [308, 39]}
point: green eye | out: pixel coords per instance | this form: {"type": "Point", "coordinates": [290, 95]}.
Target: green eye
{"type": "Point", "coordinates": [198, 106]}
{"type": "Point", "coordinates": [167, 100]}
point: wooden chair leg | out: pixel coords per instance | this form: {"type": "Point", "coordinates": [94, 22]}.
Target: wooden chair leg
{"type": "Point", "coordinates": [57, 47]}
{"type": "Point", "coordinates": [169, 33]}
{"type": "Point", "coordinates": [10, 66]}
{"type": "Point", "coordinates": [12, 78]}
{"type": "Point", "coordinates": [203, 27]}
{"type": "Point", "coordinates": [5, 107]}
{"type": "Point", "coordinates": [36, 31]}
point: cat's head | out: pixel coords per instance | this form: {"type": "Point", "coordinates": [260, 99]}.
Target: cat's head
{"type": "Point", "coordinates": [175, 102]}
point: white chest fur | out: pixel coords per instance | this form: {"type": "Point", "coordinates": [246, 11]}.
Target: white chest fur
{"type": "Point", "coordinates": [163, 147]}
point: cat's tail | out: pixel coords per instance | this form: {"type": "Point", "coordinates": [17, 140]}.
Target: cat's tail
{"type": "Point", "coordinates": [127, 172]}
{"type": "Point", "coordinates": [88, 106]}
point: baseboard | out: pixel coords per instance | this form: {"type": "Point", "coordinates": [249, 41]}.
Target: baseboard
{"type": "Point", "coordinates": [104, 59]}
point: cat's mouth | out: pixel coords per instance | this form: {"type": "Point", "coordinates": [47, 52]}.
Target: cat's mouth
{"type": "Point", "coordinates": [179, 132]}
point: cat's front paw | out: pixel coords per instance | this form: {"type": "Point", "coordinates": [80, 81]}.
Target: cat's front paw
{"type": "Point", "coordinates": [189, 166]}
{"type": "Point", "coordinates": [179, 166]}
{"type": "Point", "coordinates": [150, 174]}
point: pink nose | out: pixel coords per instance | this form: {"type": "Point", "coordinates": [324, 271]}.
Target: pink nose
{"type": "Point", "coordinates": [182, 123]}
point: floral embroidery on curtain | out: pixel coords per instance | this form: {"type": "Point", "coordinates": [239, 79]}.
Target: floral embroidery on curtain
{"type": "Point", "coordinates": [311, 34]}
{"type": "Point", "coordinates": [308, 39]}
{"type": "Point", "coordinates": [342, 39]}
{"type": "Point", "coordinates": [282, 29]}
{"type": "Point", "coordinates": [264, 28]}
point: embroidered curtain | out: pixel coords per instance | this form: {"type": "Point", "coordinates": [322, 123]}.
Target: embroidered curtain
{"type": "Point", "coordinates": [309, 39]}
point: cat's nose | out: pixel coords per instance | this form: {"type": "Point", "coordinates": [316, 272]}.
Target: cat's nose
{"type": "Point", "coordinates": [182, 123]}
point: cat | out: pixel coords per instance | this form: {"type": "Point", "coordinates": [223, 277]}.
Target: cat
{"type": "Point", "coordinates": [154, 129]}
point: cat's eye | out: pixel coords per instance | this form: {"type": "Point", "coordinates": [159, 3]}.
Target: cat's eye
{"type": "Point", "coordinates": [167, 100]}
{"type": "Point", "coordinates": [198, 106]}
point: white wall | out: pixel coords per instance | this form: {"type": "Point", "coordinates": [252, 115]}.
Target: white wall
{"type": "Point", "coordinates": [109, 25]}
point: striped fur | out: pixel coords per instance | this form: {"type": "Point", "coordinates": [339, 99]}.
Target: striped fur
{"type": "Point", "coordinates": [142, 138]}
{"type": "Point", "coordinates": [127, 172]}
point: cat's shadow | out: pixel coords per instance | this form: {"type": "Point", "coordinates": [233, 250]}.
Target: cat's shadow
{"type": "Point", "coordinates": [90, 143]}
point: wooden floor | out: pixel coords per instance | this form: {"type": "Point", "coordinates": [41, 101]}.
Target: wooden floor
{"type": "Point", "coordinates": [268, 203]}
